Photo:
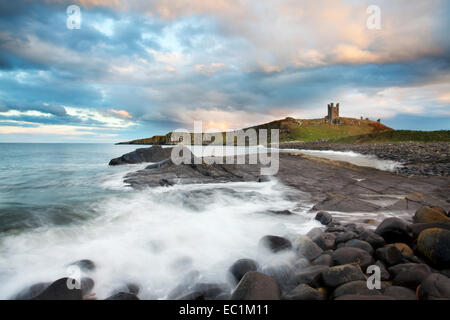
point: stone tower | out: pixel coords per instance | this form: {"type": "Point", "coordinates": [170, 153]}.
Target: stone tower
{"type": "Point", "coordinates": [333, 113]}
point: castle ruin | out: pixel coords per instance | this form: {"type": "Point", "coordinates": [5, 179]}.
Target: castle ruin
{"type": "Point", "coordinates": [333, 113]}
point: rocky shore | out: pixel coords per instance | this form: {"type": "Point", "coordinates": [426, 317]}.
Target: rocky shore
{"type": "Point", "coordinates": [409, 250]}
{"type": "Point", "coordinates": [418, 159]}
{"type": "Point", "coordinates": [398, 260]}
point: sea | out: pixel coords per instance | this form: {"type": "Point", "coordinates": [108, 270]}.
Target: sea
{"type": "Point", "coordinates": [62, 202]}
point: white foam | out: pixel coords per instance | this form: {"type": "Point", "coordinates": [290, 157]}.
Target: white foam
{"type": "Point", "coordinates": [155, 236]}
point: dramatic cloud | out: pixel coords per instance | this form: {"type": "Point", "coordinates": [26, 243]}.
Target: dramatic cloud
{"type": "Point", "coordinates": [138, 68]}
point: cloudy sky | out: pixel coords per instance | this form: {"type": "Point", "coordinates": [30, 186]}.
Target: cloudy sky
{"type": "Point", "coordinates": [139, 68]}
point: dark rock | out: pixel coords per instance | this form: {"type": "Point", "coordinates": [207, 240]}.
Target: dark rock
{"type": "Point", "coordinates": [307, 248]}
{"type": "Point", "coordinates": [281, 212]}
{"type": "Point", "coordinates": [372, 238]}
{"type": "Point", "coordinates": [32, 291]}
{"type": "Point", "coordinates": [409, 268]}
{"type": "Point", "coordinates": [123, 296]}
{"type": "Point", "coordinates": [434, 244]}
{"type": "Point", "coordinates": [193, 296]}
{"type": "Point", "coordinates": [429, 214]}
{"type": "Point", "coordinates": [85, 265]}
{"type": "Point", "coordinates": [348, 255]}
{"type": "Point", "coordinates": [324, 259]}
{"type": "Point", "coordinates": [384, 272]}
{"type": "Point", "coordinates": [325, 240]}
{"type": "Point", "coordinates": [211, 290]}
{"type": "Point", "coordinates": [417, 228]}
{"type": "Point", "coordinates": [256, 286]}
{"type": "Point", "coordinates": [404, 249]}
{"type": "Point", "coordinates": [311, 276]}
{"type": "Point", "coordinates": [390, 255]}
{"type": "Point", "coordinates": [355, 288]}
{"type": "Point", "coordinates": [353, 297]}
{"type": "Point", "coordinates": [336, 228]}
{"type": "Point", "coordinates": [314, 232]}
{"type": "Point", "coordinates": [400, 293]}
{"type": "Point", "coordinates": [306, 293]}
{"type": "Point", "coordinates": [59, 290]}
{"type": "Point", "coordinates": [153, 154]}
{"type": "Point", "coordinates": [241, 267]}
{"type": "Point", "coordinates": [435, 287]}
{"type": "Point", "coordinates": [275, 243]}
{"type": "Point", "coordinates": [166, 183]}
{"type": "Point", "coordinates": [159, 165]}
{"type": "Point", "coordinates": [324, 217]}
{"type": "Point", "coordinates": [360, 244]}
{"type": "Point", "coordinates": [410, 279]}
{"type": "Point", "coordinates": [338, 275]}
{"type": "Point", "coordinates": [282, 274]}
{"type": "Point", "coordinates": [394, 230]}
{"type": "Point", "coordinates": [87, 284]}
{"type": "Point", "coordinates": [346, 236]}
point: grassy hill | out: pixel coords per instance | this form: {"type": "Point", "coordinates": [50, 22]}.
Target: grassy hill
{"type": "Point", "coordinates": [397, 136]}
{"type": "Point", "coordinates": [299, 130]}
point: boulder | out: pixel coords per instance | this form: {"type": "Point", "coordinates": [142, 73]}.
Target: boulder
{"type": "Point", "coordinates": [409, 268]}
{"type": "Point", "coordinates": [355, 288]}
{"type": "Point", "coordinates": [429, 214]}
{"type": "Point", "coordinates": [241, 267]}
{"type": "Point", "coordinates": [123, 296]}
{"type": "Point", "coordinates": [153, 154]}
{"type": "Point", "coordinates": [314, 232]}
{"type": "Point", "coordinates": [410, 279]}
{"type": "Point", "coordinates": [435, 287]}
{"type": "Point", "coordinates": [85, 265]}
{"type": "Point", "coordinates": [275, 243]}
{"type": "Point", "coordinates": [434, 244]}
{"type": "Point", "coordinates": [338, 275]}
{"type": "Point", "coordinates": [360, 244]}
{"type": "Point", "coordinates": [32, 291]}
{"type": "Point", "coordinates": [324, 217]}
{"type": "Point", "coordinates": [59, 290]}
{"type": "Point", "coordinates": [417, 228]}
{"type": "Point", "coordinates": [394, 230]}
{"type": "Point", "coordinates": [311, 276]}
{"type": "Point", "coordinates": [282, 274]}
{"type": "Point", "coordinates": [256, 286]}
{"type": "Point", "coordinates": [348, 255]}
{"type": "Point", "coordinates": [306, 293]}
{"type": "Point", "coordinates": [324, 259]}
{"type": "Point", "coordinates": [404, 249]}
{"type": "Point", "coordinates": [372, 238]}
{"type": "Point", "coordinates": [384, 272]}
{"type": "Point", "coordinates": [390, 255]}
{"type": "Point", "coordinates": [400, 293]}
{"type": "Point", "coordinates": [325, 240]}
{"type": "Point", "coordinates": [346, 236]}
{"type": "Point", "coordinates": [210, 291]}
{"type": "Point", "coordinates": [307, 248]}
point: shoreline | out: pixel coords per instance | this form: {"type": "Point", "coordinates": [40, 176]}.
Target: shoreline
{"type": "Point", "coordinates": [417, 158]}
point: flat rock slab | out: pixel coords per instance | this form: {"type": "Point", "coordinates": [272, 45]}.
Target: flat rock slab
{"type": "Point", "coordinates": [321, 179]}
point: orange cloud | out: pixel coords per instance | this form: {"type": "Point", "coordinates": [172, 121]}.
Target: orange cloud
{"type": "Point", "coordinates": [121, 113]}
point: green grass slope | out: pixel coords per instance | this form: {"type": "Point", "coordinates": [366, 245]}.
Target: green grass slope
{"type": "Point", "coordinates": [397, 136]}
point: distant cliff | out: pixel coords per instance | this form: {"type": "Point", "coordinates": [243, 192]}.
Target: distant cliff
{"type": "Point", "coordinates": [297, 130]}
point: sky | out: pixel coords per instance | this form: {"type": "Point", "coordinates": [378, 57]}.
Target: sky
{"type": "Point", "coordinates": [134, 69]}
